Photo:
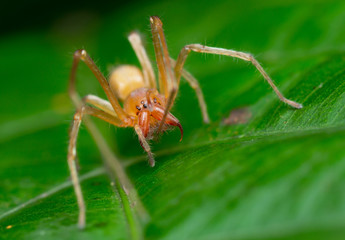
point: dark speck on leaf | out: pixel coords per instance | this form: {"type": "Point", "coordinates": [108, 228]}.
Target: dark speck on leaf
{"type": "Point", "coordinates": [101, 224]}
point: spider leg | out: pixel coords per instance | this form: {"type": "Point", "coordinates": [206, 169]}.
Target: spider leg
{"type": "Point", "coordinates": [167, 81]}
{"type": "Point", "coordinates": [82, 55]}
{"type": "Point", "coordinates": [108, 111]}
{"type": "Point", "coordinates": [139, 49]}
{"type": "Point", "coordinates": [73, 168]}
{"type": "Point", "coordinates": [145, 145]}
{"type": "Point", "coordinates": [231, 53]}
{"type": "Point", "coordinates": [195, 85]}
{"type": "Point", "coordinates": [72, 152]}
{"type": "Point", "coordinates": [99, 103]}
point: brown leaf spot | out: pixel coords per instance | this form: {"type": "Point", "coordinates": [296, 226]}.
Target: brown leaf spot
{"type": "Point", "coordinates": [238, 116]}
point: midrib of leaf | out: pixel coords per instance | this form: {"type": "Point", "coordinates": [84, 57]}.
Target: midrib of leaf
{"type": "Point", "coordinates": [242, 139]}
{"type": "Point", "coordinates": [173, 149]}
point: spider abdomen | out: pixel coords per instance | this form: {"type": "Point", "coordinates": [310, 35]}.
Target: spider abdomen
{"type": "Point", "coordinates": [124, 79]}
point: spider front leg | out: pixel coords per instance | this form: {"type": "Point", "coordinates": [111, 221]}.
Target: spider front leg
{"type": "Point", "coordinates": [111, 112]}
{"type": "Point", "coordinates": [167, 80]}
{"type": "Point", "coordinates": [72, 153]}
{"type": "Point", "coordinates": [82, 55]}
{"type": "Point", "coordinates": [231, 53]}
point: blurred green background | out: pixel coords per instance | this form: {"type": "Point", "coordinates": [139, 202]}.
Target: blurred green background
{"type": "Point", "coordinates": [279, 176]}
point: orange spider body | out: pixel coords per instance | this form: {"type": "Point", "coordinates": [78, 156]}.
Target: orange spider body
{"type": "Point", "coordinates": [147, 107]}
{"type": "Point", "coordinates": [143, 104]}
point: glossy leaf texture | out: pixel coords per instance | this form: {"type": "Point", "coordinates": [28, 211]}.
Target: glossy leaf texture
{"type": "Point", "coordinates": [281, 175]}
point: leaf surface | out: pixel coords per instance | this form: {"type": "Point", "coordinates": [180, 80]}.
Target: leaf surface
{"type": "Point", "coordinates": [278, 176]}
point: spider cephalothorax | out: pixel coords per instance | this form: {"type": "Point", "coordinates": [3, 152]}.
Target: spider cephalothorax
{"type": "Point", "coordinates": [146, 106]}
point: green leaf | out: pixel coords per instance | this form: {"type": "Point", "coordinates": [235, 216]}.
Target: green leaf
{"type": "Point", "coordinates": [278, 176]}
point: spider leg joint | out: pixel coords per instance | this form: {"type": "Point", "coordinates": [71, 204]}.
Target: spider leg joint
{"type": "Point", "coordinates": [81, 53]}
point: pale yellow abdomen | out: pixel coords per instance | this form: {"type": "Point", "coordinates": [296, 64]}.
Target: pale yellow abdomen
{"type": "Point", "coordinates": [124, 79]}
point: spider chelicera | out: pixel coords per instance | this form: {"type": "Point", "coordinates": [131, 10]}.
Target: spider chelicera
{"type": "Point", "coordinates": [145, 108]}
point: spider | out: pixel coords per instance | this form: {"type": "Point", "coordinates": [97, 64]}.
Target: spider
{"type": "Point", "coordinates": [145, 108]}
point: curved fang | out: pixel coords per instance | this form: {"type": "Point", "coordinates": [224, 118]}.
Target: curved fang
{"type": "Point", "coordinates": [181, 130]}
{"type": "Point", "coordinates": [171, 120]}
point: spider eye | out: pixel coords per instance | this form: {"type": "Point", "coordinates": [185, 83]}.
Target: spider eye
{"type": "Point", "coordinates": [145, 106]}
{"type": "Point", "coordinates": [155, 100]}
{"type": "Point", "coordinates": [138, 108]}
{"type": "Point", "coordinates": [142, 102]}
